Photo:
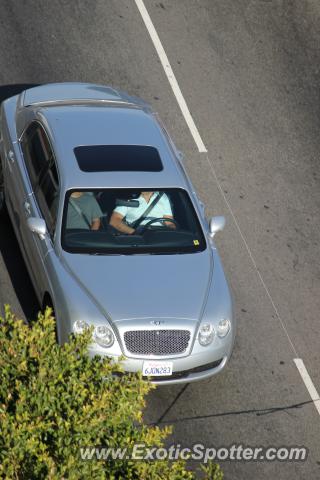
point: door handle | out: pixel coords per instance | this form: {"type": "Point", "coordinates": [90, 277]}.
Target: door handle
{"type": "Point", "coordinates": [27, 207]}
{"type": "Point", "coordinates": [10, 160]}
{"type": "Point", "coordinates": [11, 156]}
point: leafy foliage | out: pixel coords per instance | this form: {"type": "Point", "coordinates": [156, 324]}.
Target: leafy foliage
{"type": "Point", "coordinates": [55, 399]}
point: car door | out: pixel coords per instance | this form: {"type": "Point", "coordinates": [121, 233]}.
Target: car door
{"type": "Point", "coordinates": [41, 167]}
{"type": "Point", "coordinates": [18, 190]}
{"type": "Point", "coordinates": [17, 186]}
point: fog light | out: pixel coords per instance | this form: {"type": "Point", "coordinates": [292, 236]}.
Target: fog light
{"type": "Point", "coordinates": [206, 334]}
{"type": "Point", "coordinates": [223, 327]}
{"type": "Point", "coordinates": [103, 336]}
{"type": "Point", "coordinates": [80, 326]}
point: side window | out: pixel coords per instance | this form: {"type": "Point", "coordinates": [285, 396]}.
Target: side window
{"type": "Point", "coordinates": [47, 195]}
{"type": "Point", "coordinates": [42, 171]}
{"type": "Point", "coordinates": [37, 152]}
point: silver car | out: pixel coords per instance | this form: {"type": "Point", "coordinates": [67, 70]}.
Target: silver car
{"type": "Point", "coordinates": [112, 232]}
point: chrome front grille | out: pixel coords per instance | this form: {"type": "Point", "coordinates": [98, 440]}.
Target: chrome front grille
{"type": "Point", "coordinates": [157, 342]}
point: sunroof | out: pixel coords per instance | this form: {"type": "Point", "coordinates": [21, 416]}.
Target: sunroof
{"type": "Point", "coordinates": [118, 158]}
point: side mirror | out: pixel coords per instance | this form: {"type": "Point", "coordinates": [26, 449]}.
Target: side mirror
{"type": "Point", "coordinates": [38, 226]}
{"type": "Point", "coordinates": [216, 224]}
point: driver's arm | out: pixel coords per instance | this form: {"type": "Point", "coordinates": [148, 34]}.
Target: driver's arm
{"type": "Point", "coordinates": [166, 211]}
{"type": "Point", "coordinates": [116, 222]}
{"type": "Point", "coordinates": [169, 224]}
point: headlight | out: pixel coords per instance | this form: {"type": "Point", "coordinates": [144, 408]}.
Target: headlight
{"type": "Point", "coordinates": [223, 327]}
{"type": "Point", "coordinates": [206, 334]}
{"type": "Point", "coordinates": [80, 326]}
{"type": "Point", "coordinates": [103, 336]}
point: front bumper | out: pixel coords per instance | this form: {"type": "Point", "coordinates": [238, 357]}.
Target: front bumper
{"type": "Point", "coordinates": [194, 367]}
{"type": "Point", "coordinates": [193, 374]}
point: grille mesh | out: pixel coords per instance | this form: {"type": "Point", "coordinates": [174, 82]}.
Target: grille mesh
{"type": "Point", "coordinates": [157, 342]}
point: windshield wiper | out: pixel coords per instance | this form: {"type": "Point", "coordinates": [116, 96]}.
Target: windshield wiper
{"type": "Point", "coordinates": [104, 254]}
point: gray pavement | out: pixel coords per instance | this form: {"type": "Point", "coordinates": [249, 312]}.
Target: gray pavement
{"type": "Point", "coordinates": [249, 71]}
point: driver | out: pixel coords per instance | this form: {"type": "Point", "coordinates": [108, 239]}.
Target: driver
{"type": "Point", "coordinates": [123, 217]}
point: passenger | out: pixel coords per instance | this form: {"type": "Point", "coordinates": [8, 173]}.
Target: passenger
{"type": "Point", "coordinates": [83, 211]}
{"type": "Point", "coordinates": [124, 218]}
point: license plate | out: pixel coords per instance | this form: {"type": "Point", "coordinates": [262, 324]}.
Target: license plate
{"type": "Point", "coordinates": [156, 369]}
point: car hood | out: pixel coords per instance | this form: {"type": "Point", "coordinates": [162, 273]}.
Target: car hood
{"type": "Point", "coordinates": [144, 286]}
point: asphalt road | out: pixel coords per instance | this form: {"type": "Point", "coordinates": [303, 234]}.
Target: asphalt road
{"type": "Point", "coordinates": [249, 71]}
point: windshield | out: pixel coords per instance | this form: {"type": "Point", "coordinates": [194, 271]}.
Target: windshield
{"type": "Point", "coordinates": [113, 221]}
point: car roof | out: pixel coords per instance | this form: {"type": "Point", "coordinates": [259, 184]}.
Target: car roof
{"type": "Point", "coordinates": [70, 126]}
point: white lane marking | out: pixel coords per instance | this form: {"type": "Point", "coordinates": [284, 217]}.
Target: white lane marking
{"type": "Point", "coordinates": [170, 75]}
{"type": "Point", "coordinates": [308, 383]}
{"type": "Point", "coordinates": [201, 147]}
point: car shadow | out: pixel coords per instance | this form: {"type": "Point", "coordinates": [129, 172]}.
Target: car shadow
{"type": "Point", "coordinates": [18, 274]}
{"type": "Point", "coordinates": [7, 91]}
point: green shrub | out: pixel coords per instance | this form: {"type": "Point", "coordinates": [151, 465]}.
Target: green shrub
{"type": "Point", "coordinates": [55, 399]}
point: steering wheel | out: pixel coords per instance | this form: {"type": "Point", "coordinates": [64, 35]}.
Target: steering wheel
{"type": "Point", "coordinates": [142, 228]}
